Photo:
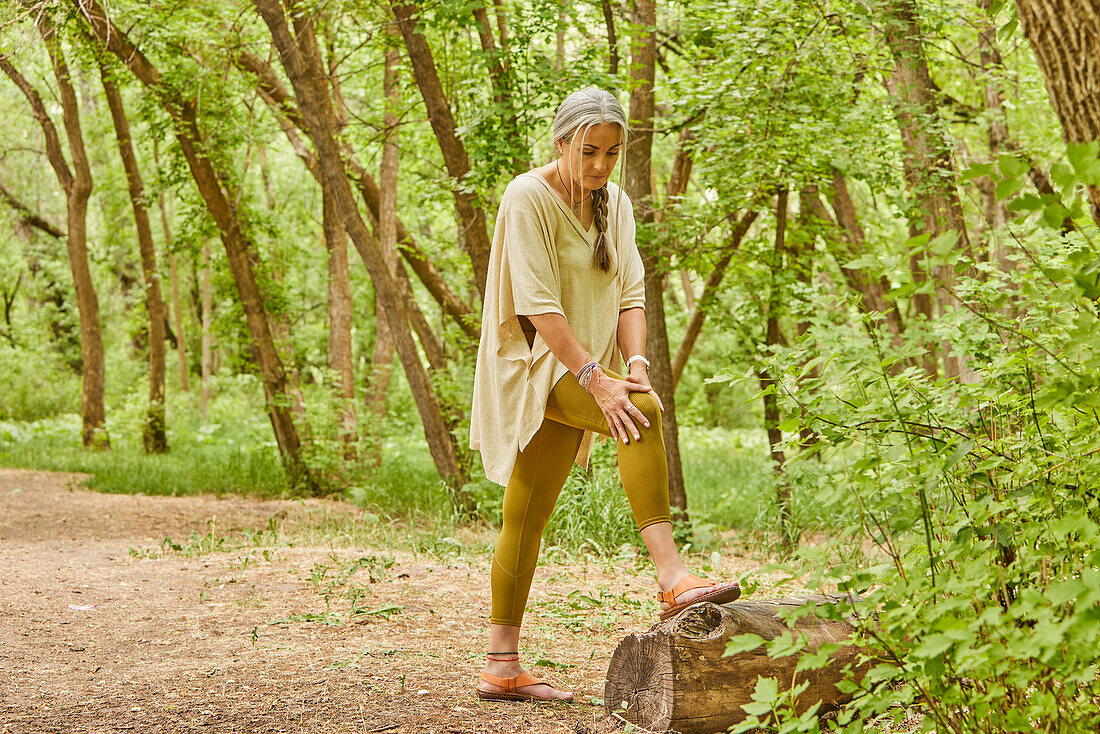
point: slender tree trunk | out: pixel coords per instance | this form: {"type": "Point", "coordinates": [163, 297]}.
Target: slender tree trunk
{"type": "Point", "coordinates": [77, 185]}
{"type": "Point", "coordinates": [768, 382]}
{"type": "Point", "coordinates": [206, 357]}
{"type": "Point", "coordinates": [638, 181]}
{"type": "Point", "coordinates": [710, 294]}
{"type": "Point", "coordinates": [851, 245]}
{"type": "Point", "coordinates": [996, 213]}
{"type": "Point", "coordinates": [612, 41]}
{"type": "Point", "coordinates": [301, 59]}
{"type": "Point", "coordinates": [382, 365]}
{"type": "Point", "coordinates": [173, 277]}
{"type": "Point", "coordinates": [929, 169]}
{"type": "Point", "coordinates": [212, 185]}
{"type": "Point", "coordinates": [1065, 36]}
{"type": "Point", "coordinates": [154, 435]}
{"type": "Point", "coordinates": [339, 324]}
{"type": "Point", "coordinates": [276, 94]}
{"type": "Point", "coordinates": [472, 216]}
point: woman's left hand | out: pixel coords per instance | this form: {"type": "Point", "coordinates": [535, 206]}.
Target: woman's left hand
{"type": "Point", "coordinates": [639, 376]}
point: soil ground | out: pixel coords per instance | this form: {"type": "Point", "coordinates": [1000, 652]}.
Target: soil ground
{"type": "Point", "coordinates": [123, 613]}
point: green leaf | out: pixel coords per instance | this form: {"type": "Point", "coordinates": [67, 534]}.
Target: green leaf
{"type": "Point", "coordinates": [743, 643]}
{"type": "Point", "coordinates": [1006, 187]}
{"type": "Point", "coordinates": [1011, 166]}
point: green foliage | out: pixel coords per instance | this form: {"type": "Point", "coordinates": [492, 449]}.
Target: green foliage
{"type": "Point", "coordinates": [973, 543]}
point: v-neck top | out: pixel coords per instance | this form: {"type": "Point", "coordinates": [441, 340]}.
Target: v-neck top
{"type": "Point", "coordinates": [541, 262]}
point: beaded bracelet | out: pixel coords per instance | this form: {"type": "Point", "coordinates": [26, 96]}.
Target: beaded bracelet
{"type": "Point", "coordinates": [590, 373]}
{"type": "Point", "coordinates": [585, 370]}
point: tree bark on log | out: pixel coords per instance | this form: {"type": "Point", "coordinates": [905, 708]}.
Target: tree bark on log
{"type": "Point", "coordinates": [154, 432]}
{"type": "Point", "coordinates": [674, 677]}
{"type": "Point", "coordinates": [1065, 36]}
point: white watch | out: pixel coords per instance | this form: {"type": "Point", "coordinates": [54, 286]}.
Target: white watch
{"type": "Point", "coordinates": [637, 358]}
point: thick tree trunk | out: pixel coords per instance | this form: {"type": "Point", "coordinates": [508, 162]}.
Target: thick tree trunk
{"type": "Point", "coordinates": [210, 183]}
{"type": "Point", "coordinates": [173, 277]}
{"type": "Point", "coordinates": [1065, 36]}
{"type": "Point", "coordinates": [77, 185]}
{"type": "Point", "coordinates": [154, 434]}
{"type": "Point", "coordinates": [676, 676]}
{"type": "Point", "coordinates": [382, 363]}
{"type": "Point", "coordinates": [301, 59]}
{"type": "Point", "coordinates": [710, 294]}
{"type": "Point", "coordinates": [638, 182]}
{"type": "Point", "coordinates": [472, 216]}
{"type": "Point", "coordinates": [929, 169]}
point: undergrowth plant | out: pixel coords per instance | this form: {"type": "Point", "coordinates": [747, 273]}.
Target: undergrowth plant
{"type": "Point", "coordinates": [970, 549]}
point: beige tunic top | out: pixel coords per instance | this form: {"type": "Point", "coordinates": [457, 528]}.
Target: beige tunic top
{"type": "Point", "coordinates": [541, 262]}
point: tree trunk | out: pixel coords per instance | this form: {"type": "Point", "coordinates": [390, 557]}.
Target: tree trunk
{"type": "Point", "coordinates": [845, 241]}
{"type": "Point", "coordinates": [276, 94]}
{"type": "Point", "coordinates": [339, 324]}
{"type": "Point", "coordinates": [769, 384]}
{"type": "Point", "coordinates": [301, 59]}
{"type": "Point", "coordinates": [676, 676]}
{"type": "Point", "coordinates": [181, 341]}
{"type": "Point", "coordinates": [612, 41]}
{"type": "Point", "coordinates": [470, 214]}
{"type": "Point", "coordinates": [710, 294]}
{"type": "Point", "coordinates": [154, 434]}
{"type": "Point", "coordinates": [77, 184]}
{"type": "Point", "coordinates": [206, 357]}
{"type": "Point", "coordinates": [382, 364]}
{"type": "Point", "coordinates": [996, 213]}
{"type": "Point", "coordinates": [929, 169]}
{"type": "Point", "coordinates": [1065, 36]}
{"type": "Point", "coordinates": [637, 180]}
{"type": "Point", "coordinates": [211, 185]}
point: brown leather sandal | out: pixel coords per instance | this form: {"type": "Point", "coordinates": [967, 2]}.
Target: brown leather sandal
{"type": "Point", "coordinates": [689, 582]}
{"type": "Point", "coordinates": [511, 684]}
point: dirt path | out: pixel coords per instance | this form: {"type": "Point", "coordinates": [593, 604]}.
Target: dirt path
{"type": "Point", "coordinates": [277, 616]}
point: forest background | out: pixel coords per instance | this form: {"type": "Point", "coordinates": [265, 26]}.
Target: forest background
{"type": "Point", "coordinates": [869, 230]}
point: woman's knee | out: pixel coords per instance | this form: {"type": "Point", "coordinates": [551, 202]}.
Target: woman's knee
{"type": "Point", "coordinates": [649, 406]}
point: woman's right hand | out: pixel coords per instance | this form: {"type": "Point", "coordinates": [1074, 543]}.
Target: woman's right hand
{"type": "Point", "coordinates": [613, 398]}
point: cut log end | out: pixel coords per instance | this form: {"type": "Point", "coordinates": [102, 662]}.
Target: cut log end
{"type": "Point", "coordinates": [639, 681]}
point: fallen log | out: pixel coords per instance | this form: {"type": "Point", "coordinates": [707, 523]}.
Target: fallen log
{"type": "Point", "coordinates": [674, 676]}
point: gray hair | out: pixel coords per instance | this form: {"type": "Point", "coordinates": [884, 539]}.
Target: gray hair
{"type": "Point", "coordinates": [581, 110]}
{"type": "Point", "coordinates": [587, 107]}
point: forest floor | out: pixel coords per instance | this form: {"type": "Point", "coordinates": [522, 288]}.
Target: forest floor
{"type": "Point", "coordinates": [122, 613]}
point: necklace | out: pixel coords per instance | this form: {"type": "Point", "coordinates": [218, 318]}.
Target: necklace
{"type": "Point", "coordinates": [576, 205]}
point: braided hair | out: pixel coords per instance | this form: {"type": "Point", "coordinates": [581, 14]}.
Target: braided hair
{"type": "Point", "coordinates": [601, 253]}
{"type": "Point", "coordinates": [580, 110]}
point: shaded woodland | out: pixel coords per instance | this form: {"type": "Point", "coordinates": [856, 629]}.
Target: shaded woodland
{"type": "Point", "coordinates": [869, 230]}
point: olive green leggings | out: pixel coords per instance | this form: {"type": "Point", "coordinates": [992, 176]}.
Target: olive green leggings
{"type": "Point", "coordinates": [540, 472]}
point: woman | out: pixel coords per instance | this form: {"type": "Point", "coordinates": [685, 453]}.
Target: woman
{"type": "Point", "coordinates": [564, 299]}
